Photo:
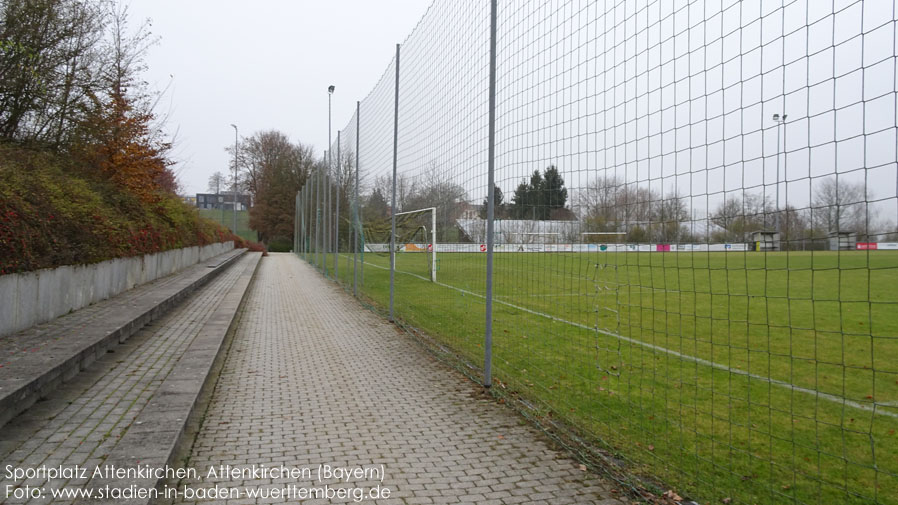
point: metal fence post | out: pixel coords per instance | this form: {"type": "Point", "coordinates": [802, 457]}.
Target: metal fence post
{"type": "Point", "coordinates": [308, 235]}
{"type": "Point", "coordinates": [327, 218]}
{"type": "Point", "coordinates": [393, 200]}
{"type": "Point", "coordinates": [338, 175]}
{"type": "Point", "coordinates": [356, 223]}
{"type": "Point", "coordinates": [318, 218]}
{"type": "Point", "coordinates": [296, 210]}
{"type": "Point", "coordinates": [305, 208]}
{"type": "Point", "coordinates": [490, 207]}
{"type": "Point", "coordinates": [305, 212]}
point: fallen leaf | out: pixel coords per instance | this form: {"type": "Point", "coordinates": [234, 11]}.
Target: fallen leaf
{"type": "Point", "coordinates": [671, 495]}
{"type": "Point", "coordinates": [582, 468]}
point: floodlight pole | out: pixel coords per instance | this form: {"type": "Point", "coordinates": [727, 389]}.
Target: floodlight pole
{"type": "Point", "coordinates": [490, 206]}
{"type": "Point", "coordinates": [780, 121]}
{"type": "Point", "coordinates": [393, 200]}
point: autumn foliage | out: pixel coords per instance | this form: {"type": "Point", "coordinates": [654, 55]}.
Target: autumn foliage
{"type": "Point", "coordinates": [84, 172]}
{"type": "Point", "coordinates": [122, 147]}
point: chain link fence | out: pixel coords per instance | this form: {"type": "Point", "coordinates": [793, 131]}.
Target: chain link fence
{"type": "Point", "coordinates": [692, 261]}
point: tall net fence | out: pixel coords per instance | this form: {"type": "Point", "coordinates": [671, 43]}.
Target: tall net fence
{"type": "Point", "coordinates": [695, 234]}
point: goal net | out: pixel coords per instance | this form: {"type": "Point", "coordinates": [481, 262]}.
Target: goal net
{"type": "Point", "coordinates": [415, 240]}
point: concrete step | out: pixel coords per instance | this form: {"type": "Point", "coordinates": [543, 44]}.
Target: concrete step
{"type": "Point", "coordinates": [163, 432]}
{"type": "Point", "coordinates": [35, 361]}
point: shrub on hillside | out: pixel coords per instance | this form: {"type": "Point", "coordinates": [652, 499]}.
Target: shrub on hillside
{"type": "Point", "coordinates": [53, 213]}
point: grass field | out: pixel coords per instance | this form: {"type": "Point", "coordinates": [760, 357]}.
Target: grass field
{"type": "Point", "coordinates": [226, 218]}
{"type": "Point", "coordinates": [762, 378]}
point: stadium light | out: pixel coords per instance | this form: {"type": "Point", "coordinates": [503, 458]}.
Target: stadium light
{"type": "Point", "coordinates": [780, 120]}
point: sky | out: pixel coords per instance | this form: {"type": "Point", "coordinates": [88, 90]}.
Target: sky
{"type": "Point", "coordinates": [674, 96]}
{"type": "Point", "coordinates": [263, 65]}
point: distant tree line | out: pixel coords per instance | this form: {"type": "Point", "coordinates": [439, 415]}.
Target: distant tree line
{"type": "Point", "coordinates": [609, 204]}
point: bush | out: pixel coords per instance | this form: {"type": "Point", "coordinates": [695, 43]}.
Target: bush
{"type": "Point", "coordinates": [53, 213]}
{"type": "Point", "coordinates": [280, 244]}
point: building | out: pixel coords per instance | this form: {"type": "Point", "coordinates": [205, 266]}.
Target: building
{"type": "Point", "coordinates": [842, 241]}
{"type": "Point", "coordinates": [223, 200]}
{"type": "Point", "coordinates": [765, 240]}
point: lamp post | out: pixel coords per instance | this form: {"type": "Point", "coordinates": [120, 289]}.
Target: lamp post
{"type": "Point", "coordinates": [780, 121]}
{"type": "Point", "coordinates": [330, 92]}
{"type": "Point", "coordinates": [235, 178]}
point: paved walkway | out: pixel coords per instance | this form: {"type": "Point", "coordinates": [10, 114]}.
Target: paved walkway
{"type": "Point", "coordinates": [313, 379]}
{"type": "Point", "coordinates": [82, 421]}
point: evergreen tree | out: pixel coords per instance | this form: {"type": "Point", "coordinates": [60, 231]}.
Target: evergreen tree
{"type": "Point", "coordinates": [498, 204]}
{"type": "Point", "coordinates": [554, 193]}
{"type": "Point", "coordinates": [539, 198]}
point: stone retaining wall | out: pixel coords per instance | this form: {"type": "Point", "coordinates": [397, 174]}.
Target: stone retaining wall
{"type": "Point", "coordinates": [31, 298]}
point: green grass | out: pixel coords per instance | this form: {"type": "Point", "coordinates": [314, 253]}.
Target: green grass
{"type": "Point", "coordinates": [226, 218]}
{"type": "Point", "coordinates": [651, 353]}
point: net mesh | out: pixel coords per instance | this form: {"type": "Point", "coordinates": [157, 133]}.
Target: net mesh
{"type": "Point", "coordinates": [696, 245]}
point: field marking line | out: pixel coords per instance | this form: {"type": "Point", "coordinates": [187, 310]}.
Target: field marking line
{"type": "Point", "coordinates": [685, 357]}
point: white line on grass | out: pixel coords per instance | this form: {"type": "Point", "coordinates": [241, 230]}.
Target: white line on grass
{"type": "Point", "coordinates": [787, 385]}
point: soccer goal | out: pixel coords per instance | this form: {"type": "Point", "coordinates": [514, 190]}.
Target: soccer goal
{"type": "Point", "coordinates": [412, 234]}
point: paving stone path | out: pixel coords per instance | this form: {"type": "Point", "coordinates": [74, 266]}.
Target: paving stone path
{"type": "Point", "coordinates": [81, 421]}
{"type": "Point", "coordinates": [313, 379]}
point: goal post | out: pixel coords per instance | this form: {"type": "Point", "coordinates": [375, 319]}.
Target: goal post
{"type": "Point", "coordinates": [433, 236]}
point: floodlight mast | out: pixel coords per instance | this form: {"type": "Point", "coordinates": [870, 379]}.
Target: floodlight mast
{"type": "Point", "coordinates": [433, 238]}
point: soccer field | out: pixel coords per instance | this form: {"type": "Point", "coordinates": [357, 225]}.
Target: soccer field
{"type": "Point", "coordinates": [758, 377]}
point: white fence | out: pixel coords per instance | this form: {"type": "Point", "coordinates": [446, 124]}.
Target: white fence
{"type": "Point", "coordinates": [501, 248]}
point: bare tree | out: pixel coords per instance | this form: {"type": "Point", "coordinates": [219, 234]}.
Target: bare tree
{"type": "Point", "coordinates": [737, 217]}
{"type": "Point", "coordinates": [216, 181]}
{"type": "Point", "coordinates": [50, 66]}
{"type": "Point", "coordinates": [840, 206]}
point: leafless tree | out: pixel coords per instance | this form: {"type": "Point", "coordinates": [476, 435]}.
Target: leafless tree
{"type": "Point", "coordinates": [840, 206]}
{"type": "Point", "coordinates": [50, 66]}
{"type": "Point", "coordinates": [216, 181]}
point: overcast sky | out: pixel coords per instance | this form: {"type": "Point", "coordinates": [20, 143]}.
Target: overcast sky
{"type": "Point", "coordinates": [264, 65]}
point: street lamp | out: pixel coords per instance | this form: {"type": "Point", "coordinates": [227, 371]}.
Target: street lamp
{"type": "Point", "coordinates": [235, 178]}
{"type": "Point", "coordinates": [780, 120]}
{"type": "Point", "coordinates": [330, 92]}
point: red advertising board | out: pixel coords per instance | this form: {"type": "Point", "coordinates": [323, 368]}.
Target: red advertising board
{"type": "Point", "coordinates": [866, 246]}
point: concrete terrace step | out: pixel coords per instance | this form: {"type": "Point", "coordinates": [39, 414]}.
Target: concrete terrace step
{"type": "Point", "coordinates": [35, 361]}
{"type": "Point", "coordinates": [163, 432]}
